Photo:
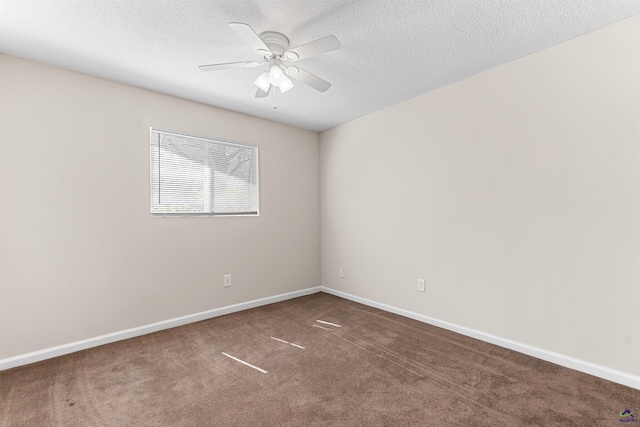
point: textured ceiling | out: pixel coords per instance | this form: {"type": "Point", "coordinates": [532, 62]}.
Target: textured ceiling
{"type": "Point", "coordinates": [392, 50]}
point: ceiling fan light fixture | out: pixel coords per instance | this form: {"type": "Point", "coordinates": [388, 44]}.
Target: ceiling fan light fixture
{"type": "Point", "coordinates": [263, 81]}
{"type": "Point", "coordinates": [276, 75]}
{"type": "Point", "coordinates": [285, 85]}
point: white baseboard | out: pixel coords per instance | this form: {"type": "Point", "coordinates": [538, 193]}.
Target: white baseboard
{"type": "Point", "coordinates": [60, 350]}
{"type": "Point", "coordinates": [559, 359]}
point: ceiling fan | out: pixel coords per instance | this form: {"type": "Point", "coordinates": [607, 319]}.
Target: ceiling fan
{"type": "Point", "coordinates": [276, 53]}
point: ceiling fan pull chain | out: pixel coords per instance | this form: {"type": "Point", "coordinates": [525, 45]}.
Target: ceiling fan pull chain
{"type": "Point", "coordinates": [273, 95]}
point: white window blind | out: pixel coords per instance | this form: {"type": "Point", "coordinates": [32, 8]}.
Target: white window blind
{"type": "Point", "coordinates": [194, 175]}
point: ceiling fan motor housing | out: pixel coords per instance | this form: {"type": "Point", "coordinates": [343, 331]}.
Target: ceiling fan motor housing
{"type": "Point", "coordinates": [277, 42]}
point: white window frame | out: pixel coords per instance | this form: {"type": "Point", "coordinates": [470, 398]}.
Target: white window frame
{"type": "Point", "coordinates": [206, 140]}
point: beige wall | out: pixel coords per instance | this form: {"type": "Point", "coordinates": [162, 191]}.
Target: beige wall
{"type": "Point", "coordinates": [80, 256]}
{"type": "Point", "coordinates": [515, 193]}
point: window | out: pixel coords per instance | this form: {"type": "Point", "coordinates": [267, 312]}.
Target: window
{"type": "Point", "coordinates": [193, 175]}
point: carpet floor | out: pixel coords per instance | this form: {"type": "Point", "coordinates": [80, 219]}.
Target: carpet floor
{"type": "Point", "coordinates": [312, 361]}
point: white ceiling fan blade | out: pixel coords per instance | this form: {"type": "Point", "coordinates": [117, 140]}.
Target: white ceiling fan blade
{"type": "Point", "coordinates": [309, 79]}
{"type": "Point", "coordinates": [226, 66]}
{"type": "Point", "coordinates": [251, 37]}
{"type": "Point", "coordinates": [262, 94]}
{"type": "Point", "coordinates": [316, 47]}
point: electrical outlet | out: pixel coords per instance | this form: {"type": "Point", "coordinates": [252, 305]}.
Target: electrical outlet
{"type": "Point", "coordinates": [422, 285]}
{"type": "Point", "coordinates": [227, 280]}
{"type": "Point", "coordinates": [341, 273]}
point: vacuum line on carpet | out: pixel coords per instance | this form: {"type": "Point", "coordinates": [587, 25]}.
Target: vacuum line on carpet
{"type": "Point", "coordinates": [322, 327]}
{"type": "Point", "coordinates": [245, 363]}
{"type": "Point", "coordinates": [327, 323]}
{"type": "Point", "coordinates": [287, 342]}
